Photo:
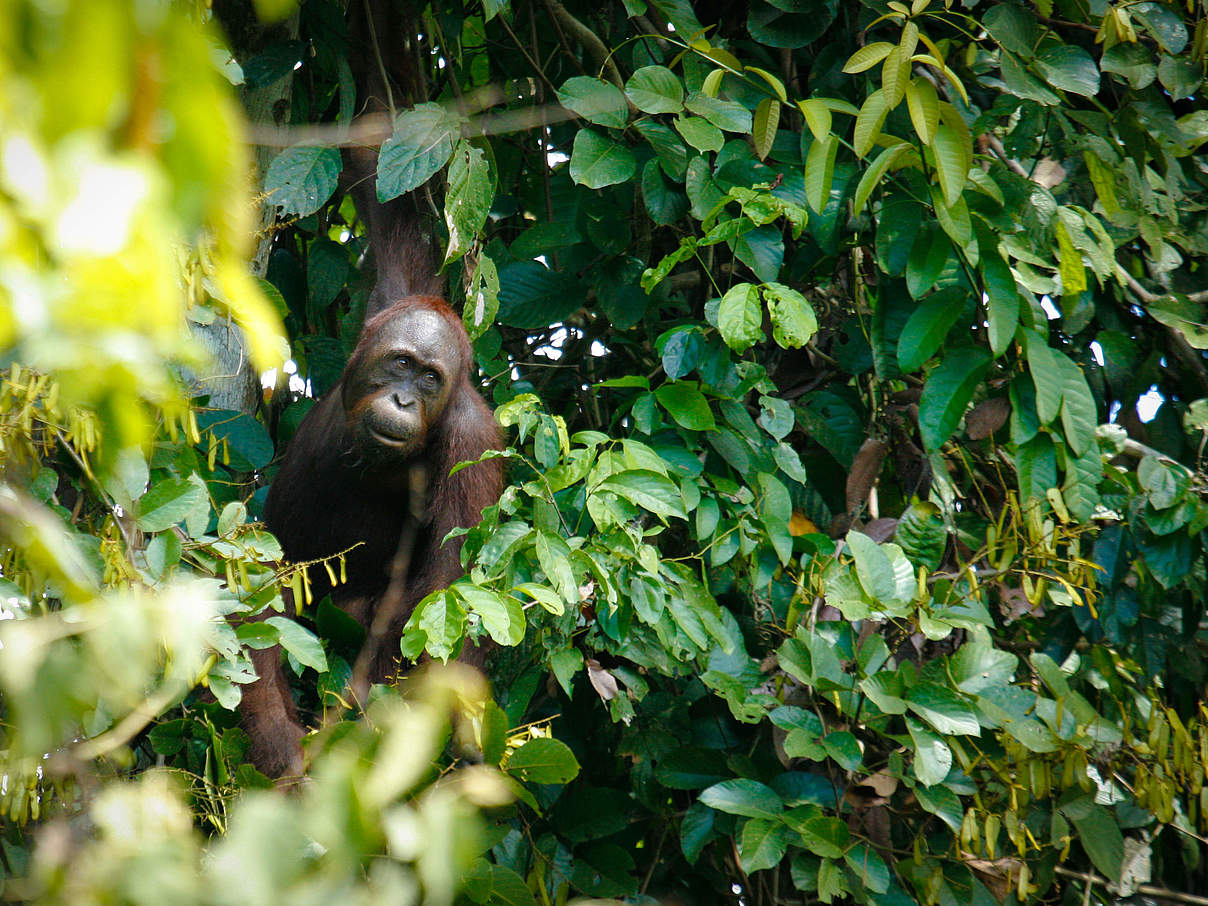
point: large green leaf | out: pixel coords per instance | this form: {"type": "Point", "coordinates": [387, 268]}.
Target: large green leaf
{"type": "Point", "coordinates": [1101, 838]}
{"type": "Point", "coordinates": [300, 642]}
{"type": "Point", "coordinates": [947, 393]}
{"type": "Point", "coordinates": [1070, 68]}
{"type": "Point", "coordinates": [740, 317]}
{"type": "Point", "coordinates": [419, 146]}
{"type": "Point", "coordinates": [749, 798]}
{"type": "Point", "coordinates": [946, 711]}
{"type": "Point", "coordinates": [655, 89]}
{"type": "Point", "coordinates": [1002, 300]}
{"type": "Point", "coordinates": [596, 100]}
{"type": "Point", "coordinates": [167, 502]}
{"type": "Point", "coordinates": [300, 179]}
{"type": "Point", "coordinates": [543, 760]}
{"type": "Point", "coordinates": [686, 405]}
{"type": "Point", "coordinates": [763, 844]}
{"type": "Point", "coordinates": [597, 161]}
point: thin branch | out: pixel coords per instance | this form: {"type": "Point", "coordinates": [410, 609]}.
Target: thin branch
{"type": "Point", "coordinates": [1147, 297]}
{"type": "Point", "coordinates": [129, 726]}
{"type": "Point", "coordinates": [377, 55]}
{"type": "Point", "coordinates": [1148, 890]}
{"type": "Point", "coordinates": [370, 130]}
{"type": "Point", "coordinates": [588, 38]}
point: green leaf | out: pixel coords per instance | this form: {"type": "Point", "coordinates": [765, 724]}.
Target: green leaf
{"type": "Point", "coordinates": [655, 89]}
{"type": "Point", "coordinates": [763, 844]}
{"type": "Point", "coordinates": [947, 393]}
{"type": "Point", "coordinates": [1101, 838]}
{"type": "Point", "coordinates": [820, 171]}
{"type": "Point", "coordinates": [1070, 68]}
{"type": "Point", "coordinates": [1014, 27]}
{"type": "Point", "coordinates": [952, 159]}
{"type": "Point", "coordinates": [1073, 272]}
{"type": "Point", "coordinates": [699, 133]}
{"type": "Point", "coordinates": [1160, 21]}
{"type": "Point", "coordinates": [300, 179]}
{"type": "Point", "coordinates": [532, 295]}
{"type": "Point", "coordinates": [924, 106]}
{"type": "Point", "coordinates": [886, 159]}
{"type": "Point", "coordinates": [664, 204]}
{"type": "Point", "coordinates": [943, 803]}
{"type": "Point", "coordinates": [817, 117]}
{"type": "Point", "coordinates": [686, 405]}
{"type": "Point", "coordinates": [695, 830]}
{"type": "Point", "coordinates": [1002, 300]}
{"type": "Point", "coordinates": [443, 622]}
{"type": "Point", "coordinates": [868, 56]}
{"type": "Point", "coordinates": [598, 101]}
{"type": "Point", "coordinates": [869, 122]}
{"type": "Point", "coordinates": [167, 503]}
{"type": "Point", "coordinates": [1046, 375]}
{"type": "Point", "coordinates": [793, 319]}
{"type": "Point", "coordinates": [468, 198]}
{"type": "Point", "coordinates": [873, 567]}
{"type": "Point", "coordinates": [943, 709]}
{"type": "Point", "coordinates": [543, 760]}
{"type": "Point", "coordinates": [844, 749]}
{"type": "Point", "coordinates": [953, 219]}
{"type": "Point", "coordinates": [821, 835]}
{"type": "Point", "coordinates": [300, 642]}
{"type": "Point", "coordinates": [597, 161]}
{"type": "Point", "coordinates": [728, 115]}
{"type": "Point", "coordinates": [1079, 415]}
{"type": "Point", "coordinates": [502, 615]}
{"type": "Point", "coordinates": [1179, 76]}
{"type": "Point", "coordinates": [766, 122]}
{"type": "Point", "coordinates": [740, 317]}
{"type": "Point", "coordinates": [649, 490]}
{"type": "Point", "coordinates": [929, 255]}
{"type": "Point", "coordinates": [553, 554]}
{"type": "Point", "coordinates": [1023, 84]}
{"type": "Point", "coordinates": [1133, 62]}
{"type": "Point", "coordinates": [482, 298]}
{"type": "Point", "coordinates": [419, 146]}
{"type": "Point", "coordinates": [749, 798]}
{"type": "Point", "coordinates": [932, 757]}
{"type": "Point", "coordinates": [497, 885]}
{"type": "Point", "coordinates": [869, 868]}
{"type": "Point", "coordinates": [922, 534]}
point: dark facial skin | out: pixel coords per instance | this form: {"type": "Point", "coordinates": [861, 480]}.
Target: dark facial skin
{"type": "Point", "coordinates": [402, 384]}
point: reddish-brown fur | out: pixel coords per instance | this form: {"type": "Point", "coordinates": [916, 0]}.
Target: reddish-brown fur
{"type": "Point", "coordinates": [331, 495]}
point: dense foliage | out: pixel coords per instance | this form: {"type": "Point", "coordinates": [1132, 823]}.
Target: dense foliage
{"type": "Point", "coordinates": [851, 357]}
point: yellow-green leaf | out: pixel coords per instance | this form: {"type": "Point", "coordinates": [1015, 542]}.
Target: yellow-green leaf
{"type": "Point", "coordinates": [775, 83]}
{"type": "Point", "coordinates": [817, 117]}
{"type": "Point", "coordinates": [924, 106]}
{"type": "Point", "coordinates": [895, 76]}
{"type": "Point", "coordinates": [951, 164]}
{"type": "Point", "coordinates": [1104, 183]}
{"type": "Point", "coordinates": [876, 171]}
{"type": "Point", "coordinates": [712, 83]}
{"type": "Point", "coordinates": [869, 122]}
{"type": "Point", "coordinates": [868, 56]}
{"type": "Point", "coordinates": [819, 171]}
{"type": "Point", "coordinates": [1069, 264]}
{"type": "Point", "coordinates": [910, 40]}
{"type": "Point", "coordinates": [763, 130]}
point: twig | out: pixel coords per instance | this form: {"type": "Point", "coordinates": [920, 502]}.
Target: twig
{"type": "Point", "coordinates": [129, 726]}
{"type": "Point", "coordinates": [1147, 297]}
{"type": "Point", "coordinates": [1149, 890]}
{"type": "Point", "coordinates": [588, 38]}
{"type": "Point", "coordinates": [377, 55]}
